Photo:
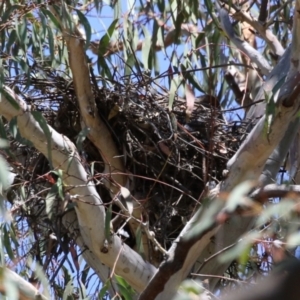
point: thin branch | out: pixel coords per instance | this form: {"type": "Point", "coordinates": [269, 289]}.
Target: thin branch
{"type": "Point", "coordinates": [273, 191]}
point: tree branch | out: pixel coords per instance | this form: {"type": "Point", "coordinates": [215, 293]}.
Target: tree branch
{"type": "Point", "coordinates": [89, 207]}
{"type": "Point", "coordinates": [99, 134]}
{"type": "Point", "coordinates": [243, 46]}
{"type": "Point", "coordinates": [246, 164]}
{"type": "Point", "coordinates": [26, 290]}
{"type": "Point", "coordinates": [262, 30]}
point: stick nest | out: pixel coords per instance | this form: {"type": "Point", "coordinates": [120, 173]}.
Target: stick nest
{"type": "Point", "coordinates": [171, 157]}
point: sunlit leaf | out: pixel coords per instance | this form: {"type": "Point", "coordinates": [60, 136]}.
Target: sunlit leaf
{"type": "Point", "coordinates": [190, 287]}
{"type": "Point", "coordinates": [67, 276]}
{"type": "Point", "coordinates": [271, 106]}
{"type": "Point", "coordinates": [4, 143]}
{"type": "Point", "coordinates": [103, 68]}
{"type": "Point", "coordinates": [21, 30]}
{"type": "Point", "coordinates": [204, 218]}
{"type": "Point", "coordinates": [126, 290]}
{"type": "Point", "coordinates": [59, 182]}
{"type": "Point", "coordinates": [83, 292]}
{"type": "Point", "coordinates": [104, 42]}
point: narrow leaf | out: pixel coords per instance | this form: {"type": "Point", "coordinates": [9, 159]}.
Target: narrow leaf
{"type": "Point", "coordinates": [51, 43]}
{"type": "Point", "coordinates": [7, 243]}
{"type": "Point", "coordinates": [139, 242]}
{"type": "Point", "coordinates": [87, 27]}
{"type": "Point", "coordinates": [129, 64]}
{"type": "Point", "coordinates": [8, 13]}
{"type": "Point", "coordinates": [43, 123]}
{"type": "Point", "coordinates": [104, 290]}
{"type": "Point", "coordinates": [146, 48]}
{"type": "Point", "coordinates": [108, 216]}
{"type": "Point", "coordinates": [104, 42]}
{"type": "Point", "coordinates": [48, 13]}
{"type": "Point", "coordinates": [81, 137]}
{"type": "Point", "coordinates": [50, 200]}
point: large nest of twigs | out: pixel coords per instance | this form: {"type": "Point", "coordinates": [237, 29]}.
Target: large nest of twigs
{"type": "Point", "coordinates": [170, 156]}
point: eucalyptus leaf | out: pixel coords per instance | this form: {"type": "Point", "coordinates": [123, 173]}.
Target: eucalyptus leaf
{"type": "Point", "coordinates": [87, 27]}
{"type": "Point", "coordinates": [50, 200]}
{"type": "Point", "coordinates": [43, 123]}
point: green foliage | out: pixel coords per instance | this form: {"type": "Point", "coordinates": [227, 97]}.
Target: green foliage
{"type": "Point", "coordinates": [125, 289]}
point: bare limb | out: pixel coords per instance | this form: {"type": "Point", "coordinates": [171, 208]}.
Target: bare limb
{"type": "Point", "coordinates": [243, 46]}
